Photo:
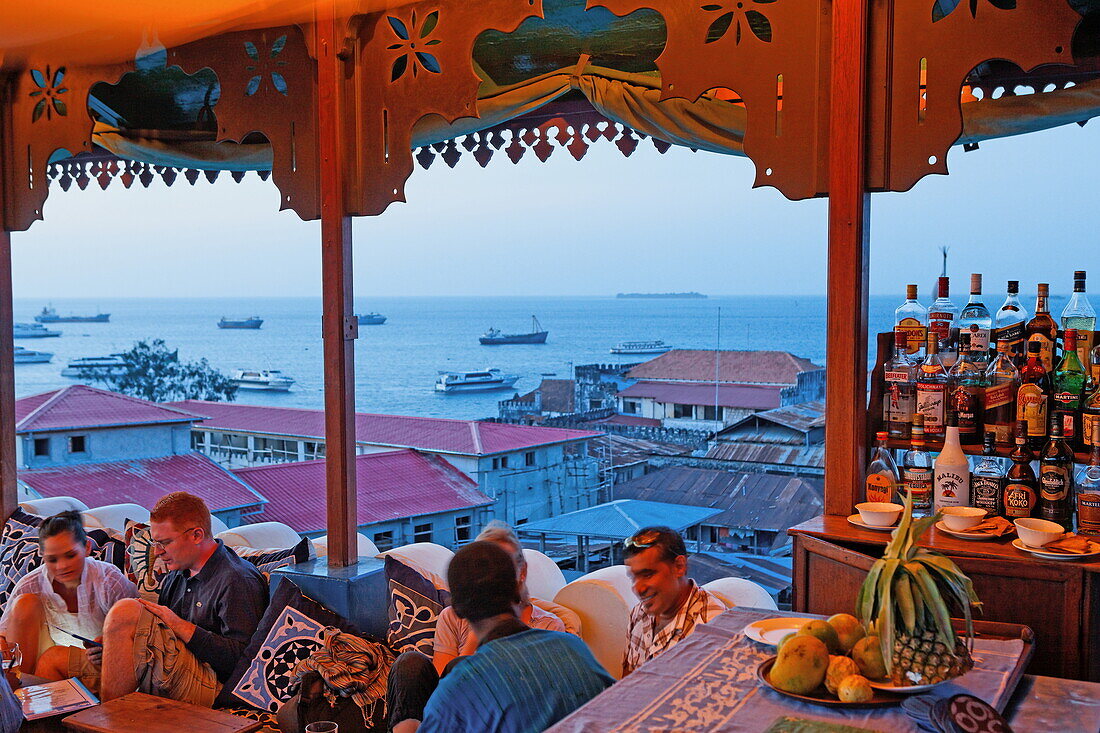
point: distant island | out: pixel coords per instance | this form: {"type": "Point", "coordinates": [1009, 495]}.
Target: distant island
{"type": "Point", "coordinates": [691, 296]}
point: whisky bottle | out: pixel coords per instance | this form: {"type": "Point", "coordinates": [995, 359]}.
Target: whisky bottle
{"type": "Point", "coordinates": [965, 384]}
{"type": "Point", "coordinates": [932, 391]}
{"type": "Point", "coordinates": [952, 472]}
{"type": "Point", "coordinates": [899, 392]}
{"type": "Point", "coordinates": [882, 473]}
{"type": "Point", "coordinates": [1042, 329]}
{"type": "Point", "coordinates": [917, 478]}
{"type": "Point", "coordinates": [911, 318]}
{"type": "Point", "coordinates": [975, 318]}
{"type": "Point", "coordinates": [1009, 323]}
{"type": "Point", "coordinates": [987, 481]}
{"type": "Point", "coordinates": [943, 319]}
{"type": "Point", "coordinates": [1088, 489]}
{"type": "Point", "coordinates": [1080, 315]}
{"type": "Point", "coordinates": [1020, 482]}
{"type": "Point", "coordinates": [1033, 397]}
{"type": "Point", "coordinates": [1067, 388]}
{"type": "Point", "coordinates": [1056, 495]}
{"type": "Point", "coordinates": [1002, 382]}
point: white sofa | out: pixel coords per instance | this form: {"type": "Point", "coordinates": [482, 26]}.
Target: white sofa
{"type": "Point", "coordinates": [260, 535]}
{"type": "Point", "coordinates": [366, 547]}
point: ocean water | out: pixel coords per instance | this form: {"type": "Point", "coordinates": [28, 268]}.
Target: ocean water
{"type": "Point", "coordinates": [397, 363]}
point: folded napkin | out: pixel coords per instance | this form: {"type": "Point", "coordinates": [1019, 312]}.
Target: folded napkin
{"type": "Point", "coordinates": [1071, 544]}
{"type": "Point", "coordinates": [995, 526]}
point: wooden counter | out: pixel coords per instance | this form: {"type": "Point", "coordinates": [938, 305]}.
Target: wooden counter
{"type": "Point", "coordinates": [1059, 600]}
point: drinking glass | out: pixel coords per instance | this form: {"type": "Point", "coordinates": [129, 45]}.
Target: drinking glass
{"type": "Point", "coordinates": [322, 726]}
{"type": "Point", "coordinates": [11, 657]}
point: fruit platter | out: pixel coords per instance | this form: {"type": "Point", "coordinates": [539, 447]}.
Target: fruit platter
{"type": "Point", "coordinates": [900, 639]}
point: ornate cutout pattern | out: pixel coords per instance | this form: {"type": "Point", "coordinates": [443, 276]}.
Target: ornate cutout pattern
{"type": "Point", "coordinates": [48, 91]}
{"type": "Point", "coordinates": [408, 57]}
{"type": "Point", "coordinates": [264, 66]}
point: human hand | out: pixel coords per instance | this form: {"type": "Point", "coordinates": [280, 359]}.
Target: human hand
{"type": "Point", "coordinates": [95, 653]}
{"type": "Point", "coordinates": [182, 629]}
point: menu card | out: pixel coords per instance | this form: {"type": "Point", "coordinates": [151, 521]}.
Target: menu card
{"type": "Point", "coordinates": [54, 698]}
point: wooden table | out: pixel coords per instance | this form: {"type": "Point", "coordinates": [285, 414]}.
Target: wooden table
{"type": "Point", "coordinates": [1059, 600]}
{"type": "Point", "coordinates": [143, 713]}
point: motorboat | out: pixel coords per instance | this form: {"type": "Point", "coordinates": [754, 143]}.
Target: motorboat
{"type": "Point", "coordinates": [482, 381]}
{"type": "Point", "coordinates": [32, 331]}
{"type": "Point", "coordinates": [371, 319]}
{"type": "Point", "coordinates": [49, 315]}
{"type": "Point", "coordinates": [250, 323]}
{"type": "Point", "coordinates": [493, 337]}
{"type": "Point", "coordinates": [270, 380]}
{"type": "Point", "coordinates": [30, 356]}
{"type": "Point", "coordinates": [641, 347]}
{"type": "Point", "coordinates": [96, 366]}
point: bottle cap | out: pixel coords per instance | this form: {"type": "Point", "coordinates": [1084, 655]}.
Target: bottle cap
{"type": "Point", "coordinates": [1034, 347]}
{"type": "Point", "coordinates": [1021, 432]}
{"type": "Point", "coordinates": [1014, 287]}
{"type": "Point", "coordinates": [918, 420]}
{"type": "Point", "coordinates": [944, 286]}
{"type": "Point", "coordinates": [1078, 274]}
{"type": "Point", "coordinates": [911, 292]}
{"type": "Point", "coordinates": [1044, 289]}
{"type": "Point", "coordinates": [976, 284]}
{"type": "Point", "coordinates": [882, 435]}
{"type": "Point", "coordinates": [901, 339]}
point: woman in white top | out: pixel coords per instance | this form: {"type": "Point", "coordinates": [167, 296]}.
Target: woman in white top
{"type": "Point", "coordinates": [69, 593]}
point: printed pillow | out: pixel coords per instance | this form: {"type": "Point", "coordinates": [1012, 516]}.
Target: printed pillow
{"type": "Point", "coordinates": [414, 607]}
{"type": "Point", "coordinates": [19, 552]}
{"type": "Point", "coordinates": [109, 545]}
{"type": "Point", "coordinates": [290, 630]}
{"type": "Point", "coordinates": [142, 565]}
{"type": "Point", "coordinates": [269, 560]}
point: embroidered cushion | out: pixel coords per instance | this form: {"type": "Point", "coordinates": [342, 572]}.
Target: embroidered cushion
{"type": "Point", "coordinates": [19, 552]}
{"type": "Point", "coordinates": [269, 560]}
{"type": "Point", "coordinates": [142, 565]}
{"type": "Point", "coordinates": [414, 607]}
{"type": "Point", "coordinates": [109, 545]}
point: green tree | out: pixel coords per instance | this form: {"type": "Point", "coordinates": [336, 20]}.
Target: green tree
{"type": "Point", "coordinates": [154, 372]}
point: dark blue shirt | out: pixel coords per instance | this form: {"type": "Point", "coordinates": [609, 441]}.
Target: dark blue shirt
{"type": "Point", "coordinates": [225, 600]}
{"type": "Point", "coordinates": [522, 682]}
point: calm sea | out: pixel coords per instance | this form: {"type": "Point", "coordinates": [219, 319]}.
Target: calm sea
{"type": "Point", "coordinates": [396, 363]}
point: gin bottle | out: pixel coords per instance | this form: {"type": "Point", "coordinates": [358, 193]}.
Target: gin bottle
{"type": "Point", "coordinates": [1079, 314]}
{"type": "Point", "coordinates": [1009, 323]}
{"type": "Point", "coordinates": [975, 318]}
{"type": "Point", "coordinates": [899, 389]}
{"type": "Point", "coordinates": [911, 318]}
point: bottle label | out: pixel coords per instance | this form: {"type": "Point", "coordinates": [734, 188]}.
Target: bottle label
{"type": "Point", "coordinates": [915, 334]}
{"type": "Point", "coordinates": [1084, 345]}
{"type": "Point", "coordinates": [985, 491]}
{"type": "Point", "coordinates": [999, 395]}
{"type": "Point", "coordinates": [897, 403]}
{"type": "Point", "coordinates": [880, 487]}
{"type": "Point", "coordinates": [967, 407]}
{"type": "Point", "coordinates": [1067, 399]}
{"type": "Point", "coordinates": [918, 484]}
{"type": "Point", "coordinates": [1054, 482]}
{"type": "Point", "coordinates": [940, 324]}
{"type": "Point", "coordinates": [1013, 334]}
{"type": "Point", "coordinates": [979, 341]}
{"type": "Point", "coordinates": [1088, 514]}
{"type": "Point", "coordinates": [1046, 350]}
{"type": "Point", "coordinates": [930, 404]}
{"type": "Point", "coordinates": [1088, 419]}
{"type": "Point", "coordinates": [1019, 500]}
{"type": "Point", "coordinates": [1068, 422]}
{"type": "Point", "coordinates": [951, 488]}
{"type": "Point", "coordinates": [1031, 405]}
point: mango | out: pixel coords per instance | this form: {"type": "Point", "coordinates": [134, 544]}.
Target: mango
{"type": "Point", "coordinates": [823, 631]}
{"type": "Point", "coordinates": [848, 629]}
{"type": "Point", "coordinates": [867, 654]}
{"type": "Point", "coordinates": [839, 668]}
{"type": "Point", "coordinates": [801, 665]}
{"type": "Point", "coordinates": [854, 688]}
{"type": "Point", "coordinates": [784, 640]}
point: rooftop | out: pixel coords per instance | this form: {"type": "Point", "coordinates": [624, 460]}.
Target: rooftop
{"type": "Point", "coordinates": [624, 451]}
{"type": "Point", "coordinates": [81, 406]}
{"type": "Point", "coordinates": [620, 519]}
{"type": "Point", "coordinates": [738, 367]}
{"type": "Point", "coordinates": [778, 453]}
{"type": "Point", "coordinates": [701, 393]}
{"type": "Point", "coordinates": [390, 485]}
{"type": "Point", "coordinates": [438, 435]}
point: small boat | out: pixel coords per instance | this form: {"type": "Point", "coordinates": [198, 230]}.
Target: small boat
{"type": "Point", "coordinates": [32, 331]}
{"type": "Point", "coordinates": [641, 347]}
{"type": "Point", "coordinates": [49, 315]}
{"type": "Point", "coordinates": [271, 380]}
{"type": "Point", "coordinates": [474, 381]}
{"type": "Point", "coordinates": [96, 366]}
{"type": "Point", "coordinates": [493, 337]}
{"type": "Point", "coordinates": [371, 319]}
{"type": "Point", "coordinates": [253, 322]}
{"type": "Point", "coordinates": [30, 356]}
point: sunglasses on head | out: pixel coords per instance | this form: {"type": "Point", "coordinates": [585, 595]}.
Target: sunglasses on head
{"type": "Point", "coordinates": [642, 540]}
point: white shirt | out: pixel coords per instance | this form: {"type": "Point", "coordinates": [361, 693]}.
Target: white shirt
{"type": "Point", "coordinates": [101, 585]}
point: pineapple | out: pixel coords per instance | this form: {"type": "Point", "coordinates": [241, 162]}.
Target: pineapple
{"type": "Point", "coordinates": [908, 597]}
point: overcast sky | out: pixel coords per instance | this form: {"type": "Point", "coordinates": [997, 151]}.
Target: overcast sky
{"type": "Point", "coordinates": [1023, 207]}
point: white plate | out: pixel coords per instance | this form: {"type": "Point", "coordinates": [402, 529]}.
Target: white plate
{"type": "Point", "coordinates": [977, 536]}
{"type": "Point", "coordinates": [904, 690]}
{"type": "Point", "coordinates": [1040, 552]}
{"type": "Point", "coordinates": [858, 521]}
{"type": "Point", "coordinates": [771, 631]}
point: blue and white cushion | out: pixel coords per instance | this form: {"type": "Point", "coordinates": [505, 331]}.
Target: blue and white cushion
{"type": "Point", "coordinates": [19, 551]}
{"type": "Point", "coordinates": [414, 607]}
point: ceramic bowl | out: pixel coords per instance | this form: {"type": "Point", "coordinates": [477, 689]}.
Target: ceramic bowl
{"type": "Point", "coordinates": [1038, 532]}
{"type": "Point", "coordinates": [962, 518]}
{"type": "Point", "coordinates": [879, 514]}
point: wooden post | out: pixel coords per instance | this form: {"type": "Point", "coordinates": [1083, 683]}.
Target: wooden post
{"type": "Point", "coordinates": [849, 227]}
{"type": "Point", "coordinates": [338, 322]}
{"type": "Point", "coordinates": [9, 493]}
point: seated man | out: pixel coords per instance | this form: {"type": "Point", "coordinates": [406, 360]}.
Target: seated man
{"type": "Point", "coordinates": [69, 593]}
{"type": "Point", "coordinates": [453, 637]}
{"type": "Point", "coordinates": [520, 679]}
{"type": "Point", "coordinates": [210, 603]}
{"type": "Point", "coordinates": [669, 604]}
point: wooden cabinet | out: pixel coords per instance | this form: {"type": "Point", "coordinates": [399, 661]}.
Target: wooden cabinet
{"type": "Point", "coordinates": [1059, 601]}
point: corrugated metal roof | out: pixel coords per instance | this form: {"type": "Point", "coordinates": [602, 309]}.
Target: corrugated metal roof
{"type": "Point", "coordinates": [390, 485]}
{"type": "Point", "coordinates": [81, 406]}
{"type": "Point", "coordinates": [557, 395]}
{"type": "Point", "coordinates": [784, 455]}
{"type": "Point", "coordinates": [144, 481]}
{"type": "Point", "coordinates": [625, 451]}
{"type": "Point", "coordinates": [707, 566]}
{"type": "Point", "coordinates": [803, 418]}
{"type": "Point", "coordinates": [751, 367]}
{"type": "Point", "coordinates": [620, 519]}
{"type": "Point", "coordinates": [756, 397]}
{"type": "Point", "coordinates": [631, 420]}
{"type": "Point", "coordinates": [465, 437]}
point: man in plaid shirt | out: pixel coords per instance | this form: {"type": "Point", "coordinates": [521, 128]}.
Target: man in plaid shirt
{"type": "Point", "coordinates": [669, 603]}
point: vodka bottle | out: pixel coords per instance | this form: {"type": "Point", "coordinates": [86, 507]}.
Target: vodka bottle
{"type": "Point", "coordinates": [952, 472]}
{"type": "Point", "coordinates": [932, 391]}
{"type": "Point", "coordinates": [1067, 388]}
{"type": "Point", "coordinates": [917, 478]}
{"type": "Point", "coordinates": [882, 473]}
{"type": "Point", "coordinates": [911, 318]}
{"type": "Point", "coordinates": [1042, 329]}
{"type": "Point", "coordinates": [1033, 397]}
{"type": "Point", "coordinates": [1020, 482]}
{"type": "Point", "coordinates": [987, 481]}
{"type": "Point", "coordinates": [975, 318]}
{"type": "Point", "coordinates": [1009, 323]}
{"type": "Point", "coordinates": [1079, 314]}
{"type": "Point", "coordinates": [1056, 495]}
{"type": "Point", "coordinates": [965, 384]}
{"type": "Point", "coordinates": [899, 392]}
{"type": "Point", "coordinates": [1002, 382]}
{"type": "Point", "coordinates": [1088, 489]}
{"type": "Point", "coordinates": [943, 319]}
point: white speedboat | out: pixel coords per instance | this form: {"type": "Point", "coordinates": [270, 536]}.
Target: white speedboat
{"type": "Point", "coordinates": [271, 380]}
{"type": "Point", "coordinates": [483, 381]}
{"type": "Point", "coordinates": [96, 366]}
{"type": "Point", "coordinates": [30, 356]}
{"type": "Point", "coordinates": [641, 347]}
{"type": "Point", "coordinates": [32, 331]}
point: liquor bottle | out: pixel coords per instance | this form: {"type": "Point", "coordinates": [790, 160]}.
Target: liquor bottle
{"type": "Point", "coordinates": [943, 319]}
{"type": "Point", "coordinates": [965, 384]}
{"type": "Point", "coordinates": [1088, 489]}
{"type": "Point", "coordinates": [912, 319]}
{"type": "Point", "coordinates": [1042, 329]}
{"type": "Point", "coordinates": [976, 319]}
{"type": "Point", "coordinates": [882, 473]}
{"type": "Point", "coordinates": [1067, 388]}
{"type": "Point", "coordinates": [1079, 314]}
{"type": "Point", "coordinates": [987, 481]}
{"type": "Point", "coordinates": [1002, 381]}
{"type": "Point", "coordinates": [917, 478]}
{"type": "Point", "coordinates": [1056, 495]}
{"type": "Point", "coordinates": [1010, 321]}
{"type": "Point", "coordinates": [952, 472]}
{"type": "Point", "coordinates": [1094, 362]}
{"type": "Point", "coordinates": [899, 392]}
{"type": "Point", "coordinates": [1020, 482]}
{"type": "Point", "coordinates": [932, 391]}
{"type": "Point", "coordinates": [1090, 418]}
{"type": "Point", "coordinates": [1033, 397]}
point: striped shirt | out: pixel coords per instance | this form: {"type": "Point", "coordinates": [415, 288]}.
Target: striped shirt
{"type": "Point", "coordinates": [523, 682]}
{"type": "Point", "coordinates": [647, 637]}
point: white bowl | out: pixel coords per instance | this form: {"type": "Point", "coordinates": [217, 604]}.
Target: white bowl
{"type": "Point", "coordinates": [879, 513]}
{"type": "Point", "coordinates": [962, 518]}
{"type": "Point", "coordinates": [1038, 532]}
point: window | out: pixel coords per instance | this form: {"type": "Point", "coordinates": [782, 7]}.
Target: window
{"type": "Point", "coordinates": [504, 461]}
{"type": "Point", "coordinates": [683, 411]}
{"type": "Point", "coordinates": [76, 444]}
{"type": "Point", "coordinates": [529, 458]}
{"type": "Point", "coordinates": [422, 532]}
{"type": "Point", "coordinates": [383, 541]}
{"type": "Point", "coordinates": [595, 404]}
{"type": "Point", "coordinates": [462, 529]}
{"type": "Point", "coordinates": [710, 412]}
{"type": "Point", "coordinates": [42, 447]}
{"type": "Point", "coordinates": [631, 407]}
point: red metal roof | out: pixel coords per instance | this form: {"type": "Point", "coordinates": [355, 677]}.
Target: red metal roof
{"type": "Point", "coordinates": [756, 397]}
{"type": "Point", "coordinates": [467, 437]}
{"type": "Point", "coordinates": [143, 481]}
{"type": "Point", "coordinates": [390, 485]}
{"type": "Point", "coordinates": [754, 367]}
{"type": "Point", "coordinates": [632, 420]}
{"type": "Point", "coordinates": [81, 406]}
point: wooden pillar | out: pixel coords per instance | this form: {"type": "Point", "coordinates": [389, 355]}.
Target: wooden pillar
{"type": "Point", "coordinates": [9, 493]}
{"type": "Point", "coordinates": [849, 228]}
{"type": "Point", "coordinates": [338, 320]}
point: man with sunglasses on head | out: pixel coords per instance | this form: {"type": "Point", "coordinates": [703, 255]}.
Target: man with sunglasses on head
{"type": "Point", "coordinates": [186, 644]}
{"type": "Point", "coordinates": [670, 605]}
